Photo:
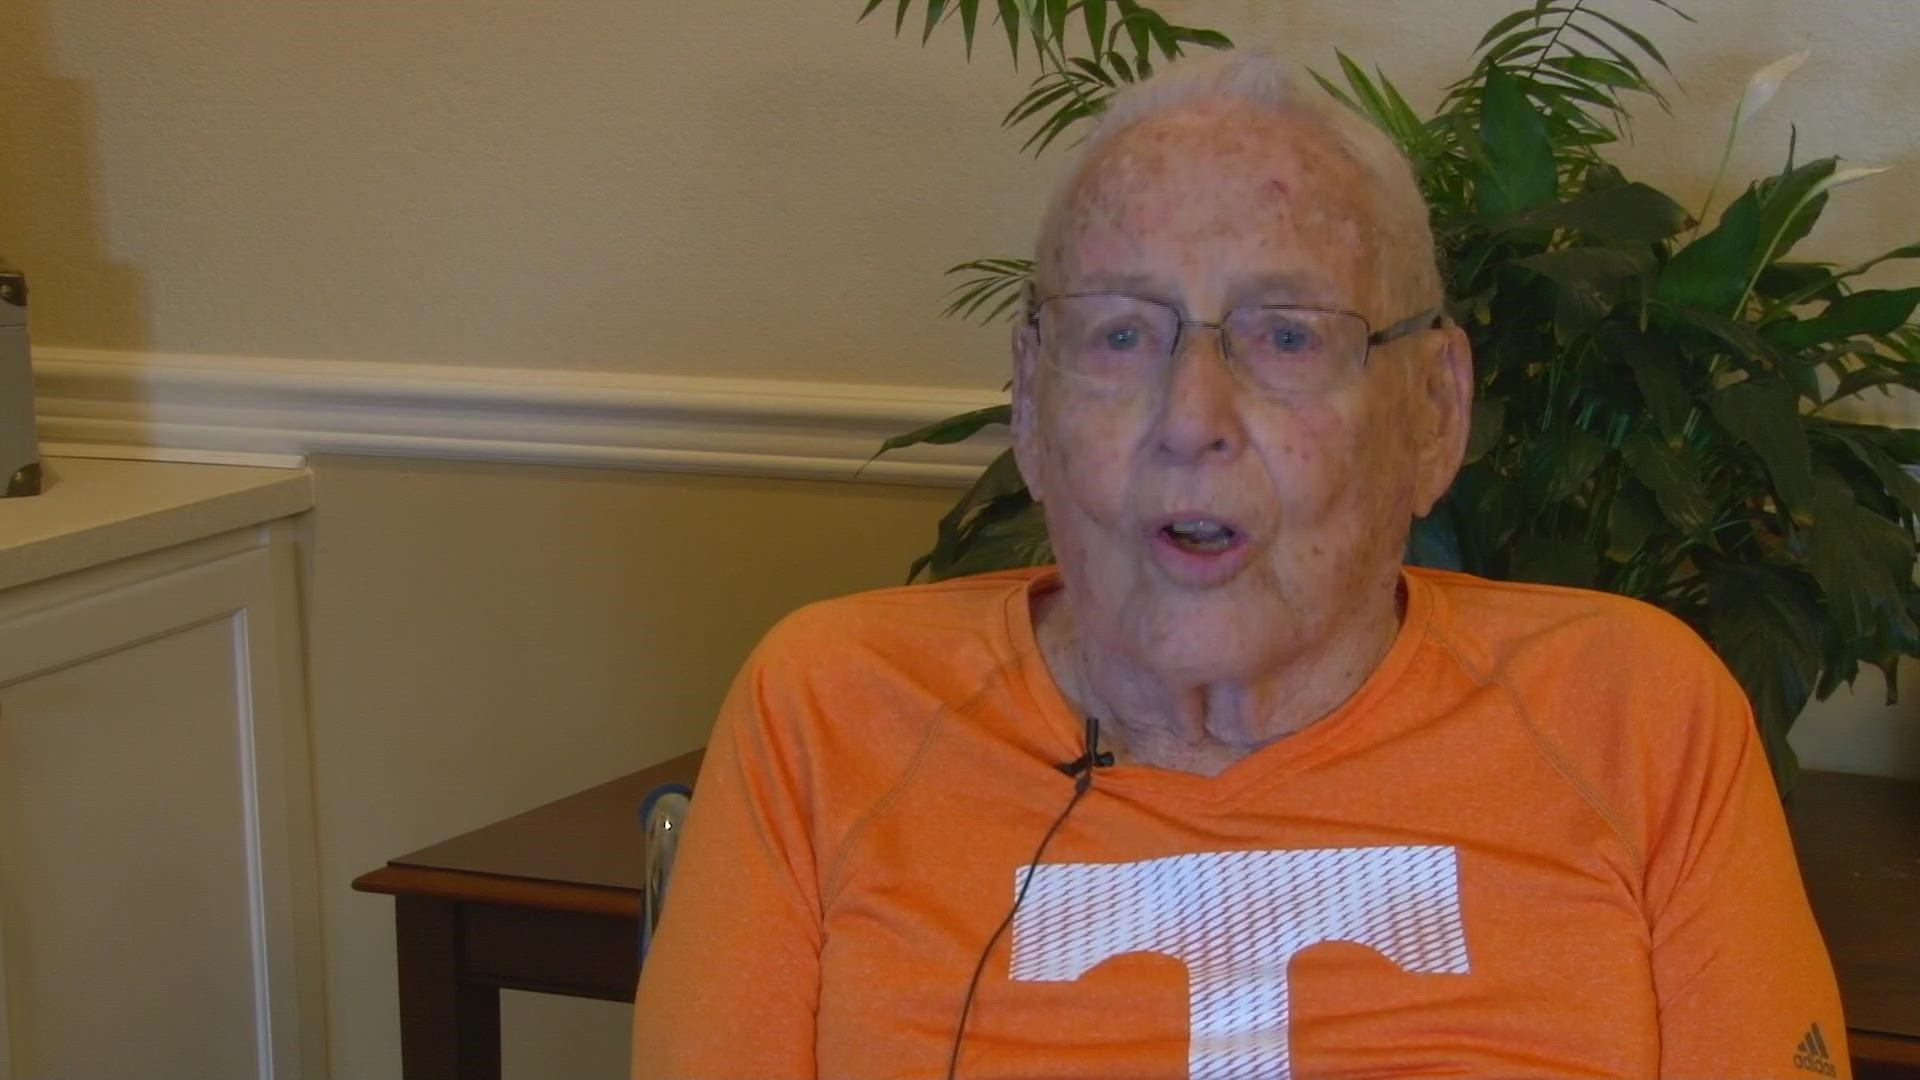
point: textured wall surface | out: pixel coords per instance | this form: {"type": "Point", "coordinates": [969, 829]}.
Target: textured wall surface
{"type": "Point", "coordinates": [485, 638]}
{"type": "Point", "coordinates": [729, 187]}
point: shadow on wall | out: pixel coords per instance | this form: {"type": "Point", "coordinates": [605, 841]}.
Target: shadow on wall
{"type": "Point", "coordinates": [51, 203]}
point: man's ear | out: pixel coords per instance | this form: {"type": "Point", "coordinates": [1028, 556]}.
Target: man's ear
{"type": "Point", "coordinates": [1443, 408]}
{"type": "Point", "coordinates": [1026, 406]}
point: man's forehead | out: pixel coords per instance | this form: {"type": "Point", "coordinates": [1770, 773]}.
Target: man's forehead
{"type": "Point", "coordinates": [1224, 150]}
{"type": "Point", "coordinates": [1271, 205]}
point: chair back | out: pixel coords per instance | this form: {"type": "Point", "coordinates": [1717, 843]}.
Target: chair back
{"type": "Point", "coordinates": [661, 815]}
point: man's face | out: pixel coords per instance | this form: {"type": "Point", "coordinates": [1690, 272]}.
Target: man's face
{"type": "Point", "coordinates": [1209, 209]}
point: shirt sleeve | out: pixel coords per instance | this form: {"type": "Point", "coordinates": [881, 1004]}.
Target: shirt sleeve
{"type": "Point", "coordinates": [730, 988]}
{"type": "Point", "coordinates": [1744, 984]}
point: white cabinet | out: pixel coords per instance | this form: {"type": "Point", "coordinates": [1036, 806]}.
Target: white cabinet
{"type": "Point", "coordinates": [158, 901]}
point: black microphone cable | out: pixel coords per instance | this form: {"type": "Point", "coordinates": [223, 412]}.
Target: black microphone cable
{"type": "Point", "coordinates": [1081, 769]}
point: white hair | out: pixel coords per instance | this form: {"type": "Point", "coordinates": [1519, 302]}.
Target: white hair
{"type": "Point", "coordinates": [1266, 81]}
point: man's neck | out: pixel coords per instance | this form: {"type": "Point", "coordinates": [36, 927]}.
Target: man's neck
{"type": "Point", "coordinates": [1204, 727]}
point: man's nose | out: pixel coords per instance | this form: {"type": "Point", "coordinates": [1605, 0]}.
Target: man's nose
{"type": "Point", "coordinates": [1200, 412]}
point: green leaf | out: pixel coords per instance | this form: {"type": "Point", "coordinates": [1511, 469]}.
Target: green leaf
{"type": "Point", "coordinates": [998, 282]}
{"type": "Point", "coordinates": [1487, 508]}
{"type": "Point", "coordinates": [1009, 533]}
{"type": "Point", "coordinates": [868, 10]}
{"type": "Point", "coordinates": [1412, 130]}
{"type": "Point", "coordinates": [1372, 103]}
{"type": "Point", "coordinates": [1765, 624]}
{"type": "Point", "coordinates": [1010, 21]}
{"type": "Point", "coordinates": [1094, 12]}
{"type": "Point", "coordinates": [1639, 40]}
{"type": "Point", "coordinates": [1092, 70]}
{"type": "Point", "coordinates": [1632, 519]}
{"type": "Point", "coordinates": [1508, 49]}
{"type": "Point", "coordinates": [1552, 561]}
{"type": "Point", "coordinates": [934, 9]}
{"type": "Point", "coordinates": [1911, 251]}
{"type": "Point", "coordinates": [969, 17]}
{"type": "Point", "coordinates": [1870, 311]}
{"type": "Point", "coordinates": [1595, 69]}
{"type": "Point", "coordinates": [1675, 484]}
{"type": "Point", "coordinates": [1765, 415]}
{"type": "Point", "coordinates": [1592, 280]}
{"type": "Point", "coordinates": [1207, 39]}
{"type": "Point", "coordinates": [953, 429]}
{"type": "Point", "coordinates": [1621, 58]}
{"type": "Point", "coordinates": [1791, 283]}
{"type": "Point", "coordinates": [1630, 213]}
{"type": "Point", "coordinates": [1558, 461]}
{"type": "Point", "coordinates": [1802, 377]}
{"type": "Point", "coordinates": [1790, 204]}
{"type": "Point", "coordinates": [1656, 366]}
{"type": "Point", "coordinates": [1741, 338]}
{"type": "Point", "coordinates": [1599, 269]}
{"type": "Point", "coordinates": [1860, 560]}
{"type": "Point", "coordinates": [1487, 423]}
{"type": "Point", "coordinates": [1518, 170]}
{"type": "Point", "coordinates": [1136, 29]}
{"type": "Point", "coordinates": [1867, 378]}
{"type": "Point", "coordinates": [1508, 22]}
{"type": "Point", "coordinates": [1047, 89]}
{"type": "Point", "coordinates": [1711, 273]}
{"type": "Point", "coordinates": [1899, 483]}
{"type": "Point", "coordinates": [1335, 92]}
{"type": "Point", "coordinates": [1057, 23]}
{"type": "Point", "coordinates": [999, 485]}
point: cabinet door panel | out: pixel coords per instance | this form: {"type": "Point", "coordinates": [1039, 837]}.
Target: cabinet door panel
{"type": "Point", "coordinates": [158, 915]}
{"type": "Point", "coordinates": [125, 907]}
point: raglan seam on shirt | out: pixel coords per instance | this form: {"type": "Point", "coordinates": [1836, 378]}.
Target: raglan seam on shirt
{"type": "Point", "coordinates": [832, 882]}
{"type": "Point", "coordinates": [1548, 749]}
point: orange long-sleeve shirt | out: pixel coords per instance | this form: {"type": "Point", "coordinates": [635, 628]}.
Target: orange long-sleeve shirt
{"type": "Point", "coordinates": [1539, 841]}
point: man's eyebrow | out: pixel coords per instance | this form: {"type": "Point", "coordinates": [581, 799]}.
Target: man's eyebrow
{"type": "Point", "coordinates": [1123, 282]}
{"type": "Point", "coordinates": [1281, 287]}
{"type": "Point", "coordinates": [1285, 287]}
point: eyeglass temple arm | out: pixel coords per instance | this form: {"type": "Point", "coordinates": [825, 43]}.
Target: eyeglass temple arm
{"type": "Point", "coordinates": [1430, 319]}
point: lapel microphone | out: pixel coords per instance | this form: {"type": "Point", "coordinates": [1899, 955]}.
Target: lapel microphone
{"type": "Point", "coordinates": [1081, 768]}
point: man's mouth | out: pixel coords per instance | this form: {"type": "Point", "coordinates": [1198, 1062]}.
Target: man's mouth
{"type": "Point", "coordinates": [1202, 536]}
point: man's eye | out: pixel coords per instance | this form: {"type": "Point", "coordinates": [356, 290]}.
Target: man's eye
{"type": "Point", "coordinates": [1122, 338]}
{"type": "Point", "coordinates": [1290, 338]}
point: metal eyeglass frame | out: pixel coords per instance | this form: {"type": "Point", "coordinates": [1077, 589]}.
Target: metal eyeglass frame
{"type": "Point", "coordinates": [1431, 319]}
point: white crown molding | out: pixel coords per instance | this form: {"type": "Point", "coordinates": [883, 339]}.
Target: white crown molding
{"type": "Point", "coordinates": [224, 408]}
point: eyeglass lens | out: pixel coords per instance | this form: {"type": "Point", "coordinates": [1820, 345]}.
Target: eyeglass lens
{"type": "Point", "coordinates": [1126, 343]}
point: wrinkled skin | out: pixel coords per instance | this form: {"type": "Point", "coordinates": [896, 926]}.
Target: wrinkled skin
{"type": "Point", "coordinates": [1207, 208]}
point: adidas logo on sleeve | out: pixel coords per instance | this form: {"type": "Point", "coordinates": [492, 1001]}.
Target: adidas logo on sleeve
{"type": "Point", "coordinates": [1811, 1055]}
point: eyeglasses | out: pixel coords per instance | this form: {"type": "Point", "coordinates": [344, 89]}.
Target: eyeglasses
{"type": "Point", "coordinates": [1125, 344]}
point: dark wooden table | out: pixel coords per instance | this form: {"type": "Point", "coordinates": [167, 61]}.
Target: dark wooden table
{"type": "Point", "coordinates": [1858, 838]}
{"type": "Point", "coordinates": [549, 900]}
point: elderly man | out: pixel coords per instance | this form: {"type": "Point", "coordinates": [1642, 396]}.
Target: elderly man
{"type": "Point", "coordinates": [1320, 814]}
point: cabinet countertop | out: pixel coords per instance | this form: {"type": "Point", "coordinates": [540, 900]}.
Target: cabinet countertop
{"type": "Point", "coordinates": [96, 510]}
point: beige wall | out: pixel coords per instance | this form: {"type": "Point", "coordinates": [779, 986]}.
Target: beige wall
{"type": "Point", "coordinates": [486, 638]}
{"type": "Point", "coordinates": [726, 187]}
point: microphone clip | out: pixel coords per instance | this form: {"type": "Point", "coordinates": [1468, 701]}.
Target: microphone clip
{"type": "Point", "coordinates": [1081, 768]}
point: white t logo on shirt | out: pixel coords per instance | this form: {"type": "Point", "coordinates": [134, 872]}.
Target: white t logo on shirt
{"type": "Point", "coordinates": [1236, 918]}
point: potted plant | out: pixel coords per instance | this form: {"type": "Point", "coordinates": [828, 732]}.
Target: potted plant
{"type": "Point", "coordinates": [1653, 394]}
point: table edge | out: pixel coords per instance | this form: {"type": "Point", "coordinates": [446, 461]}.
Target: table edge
{"type": "Point", "coordinates": [401, 881]}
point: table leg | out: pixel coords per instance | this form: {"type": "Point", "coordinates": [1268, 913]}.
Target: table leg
{"type": "Point", "coordinates": [449, 1027]}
